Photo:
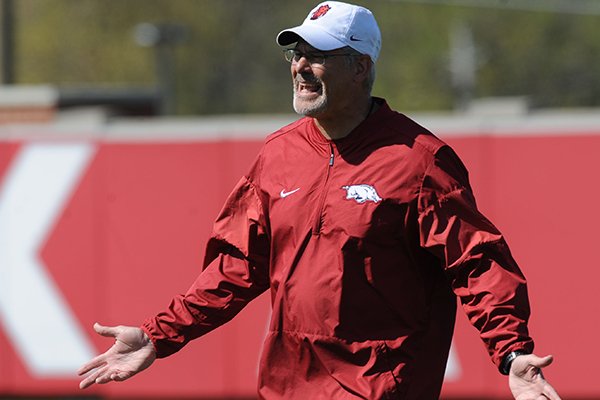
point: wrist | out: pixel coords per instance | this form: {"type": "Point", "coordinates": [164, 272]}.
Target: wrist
{"type": "Point", "coordinates": [508, 360]}
{"type": "Point", "coordinates": [147, 339]}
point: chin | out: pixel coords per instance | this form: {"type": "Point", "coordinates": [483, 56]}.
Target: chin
{"type": "Point", "coordinates": [310, 108]}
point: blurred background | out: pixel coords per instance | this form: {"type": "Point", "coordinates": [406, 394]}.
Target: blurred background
{"type": "Point", "coordinates": [116, 116]}
{"type": "Point", "coordinates": [220, 57]}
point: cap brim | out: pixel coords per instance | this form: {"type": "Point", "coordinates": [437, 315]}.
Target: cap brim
{"type": "Point", "coordinates": [317, 38]}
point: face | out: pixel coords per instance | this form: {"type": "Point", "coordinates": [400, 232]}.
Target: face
{"type": "Point", "coordinates": [320, 89]}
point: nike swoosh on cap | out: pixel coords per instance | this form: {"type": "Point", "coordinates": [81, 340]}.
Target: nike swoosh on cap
{"type": "Point", "coordinates": [355, 39]}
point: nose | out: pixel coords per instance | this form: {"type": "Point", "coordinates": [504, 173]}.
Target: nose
{"type": "Point", "coordinates": [302, 65]}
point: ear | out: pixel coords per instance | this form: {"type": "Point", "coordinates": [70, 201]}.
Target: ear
{"type": "Point", "coordinates": [362, 67]}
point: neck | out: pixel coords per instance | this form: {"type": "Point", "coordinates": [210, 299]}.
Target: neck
{"type": "Point", "coordinates": [342, 123]}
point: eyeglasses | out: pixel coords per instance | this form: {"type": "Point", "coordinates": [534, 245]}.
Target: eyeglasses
{"type": "Point", "coordinates": [313, 58]}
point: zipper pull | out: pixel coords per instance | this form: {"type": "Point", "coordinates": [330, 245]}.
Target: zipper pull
{"type": "Point", "coordinates": [331, 157]}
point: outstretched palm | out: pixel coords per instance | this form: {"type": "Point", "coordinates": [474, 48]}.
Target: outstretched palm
{"type": "Point", "coordinates": [526, 380]}
{"type": "Point", "coordinates": [131, 353]}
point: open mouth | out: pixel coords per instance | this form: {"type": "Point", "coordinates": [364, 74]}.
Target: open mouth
{"type": "Point", "coordinates": [309, 88]}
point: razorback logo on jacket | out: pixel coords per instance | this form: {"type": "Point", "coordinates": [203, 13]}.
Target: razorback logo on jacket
{"type": "Point", "coordinates": [320, 12]}
{"type": "Point", "coordinates": [362, 193]}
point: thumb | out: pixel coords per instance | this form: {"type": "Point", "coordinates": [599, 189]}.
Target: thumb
{"type": "Point", "coordinates": [541, 362]}
{"type": "Point", "coordinates": [107, 331]}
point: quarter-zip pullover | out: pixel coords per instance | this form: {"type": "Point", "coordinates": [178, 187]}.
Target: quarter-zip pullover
{"type": "Point", "coordinates": [365, 243]}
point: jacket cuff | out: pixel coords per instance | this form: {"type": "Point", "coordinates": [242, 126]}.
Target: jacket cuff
{"type": "Point", "coordinates": [503, 358]}
{"type": "Point", "coordinates": [148, 328]}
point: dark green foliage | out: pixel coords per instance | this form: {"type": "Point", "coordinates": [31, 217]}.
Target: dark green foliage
{"type": "Point", "coordinates": [231, 64]}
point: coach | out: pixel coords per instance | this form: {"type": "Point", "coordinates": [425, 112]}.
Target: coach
{"type": "Point", "coordinates": [363, 226]}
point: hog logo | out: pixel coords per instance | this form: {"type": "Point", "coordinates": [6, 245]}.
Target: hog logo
{"type": "Point", "coordinates": [320, 12]}
{"type": "Point", "coordinates": [361, 193]}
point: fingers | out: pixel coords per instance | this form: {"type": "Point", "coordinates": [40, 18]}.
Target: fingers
{"type": "Point", "coordinates": [94, 363]}
{"type": "Point", "coordinates": [105, 377]}
{"type": "Point", "coordinates": [98, 369]}
{"type": "Point", "coordinates": [542, 362]}
{"type": "Point", "coordinates": [101, 359]}
{"type": "Point", "coordinates": [108, 376]}
{"type": "Point", "coordinates": [550, 393]}
{"type": "Point", "coordinates": [534, 361]}
{"type": "Point", "coordinates": [120, 376]}
{"type": "Point", "coordinates": [92, 378]}
{"type": "Point", "coordinates": [98, 360]}
{"type": "Point", "coordinates": [102, 376]}
{"type": "Point", "coordinates": [108, 331]}
{"type": "Point", "coordinates": [537, 362]}
{"type": "Point", "coordinates": [87, 382]}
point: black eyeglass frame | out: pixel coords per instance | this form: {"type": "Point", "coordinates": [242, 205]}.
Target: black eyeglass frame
{"type": "Point", "coordinates": [313, 58]}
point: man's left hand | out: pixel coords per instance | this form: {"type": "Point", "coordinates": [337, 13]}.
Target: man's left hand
{"type": "Point", "coordinates": [526, 380]}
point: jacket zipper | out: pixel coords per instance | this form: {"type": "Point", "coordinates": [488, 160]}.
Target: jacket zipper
{"type": "Point", "coordinates": [319, 220]}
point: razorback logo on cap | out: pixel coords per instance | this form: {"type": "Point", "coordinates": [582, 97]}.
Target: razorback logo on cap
{"type": "Point", "coordinates": [320, 12]}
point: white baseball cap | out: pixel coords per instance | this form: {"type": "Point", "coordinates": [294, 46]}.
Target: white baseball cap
{"type": "Point", "coordinates": [332, 25]}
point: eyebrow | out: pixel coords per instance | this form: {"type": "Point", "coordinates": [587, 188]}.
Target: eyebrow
{"type": "Point", "coordinates": [306, 48]}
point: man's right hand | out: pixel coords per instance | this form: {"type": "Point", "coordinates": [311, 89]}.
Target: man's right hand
{"type": "Point", "coordinates": [132, 352]}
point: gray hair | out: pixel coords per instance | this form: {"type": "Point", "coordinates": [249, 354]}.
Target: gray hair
{"type": "Point", "coordinates": [350, 61]}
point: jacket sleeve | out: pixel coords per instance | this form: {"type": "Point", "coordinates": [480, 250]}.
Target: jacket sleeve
{"type": "Point", "coordinates": [235, 272]}
{"type": "Point", "coordinates": [477, 260]}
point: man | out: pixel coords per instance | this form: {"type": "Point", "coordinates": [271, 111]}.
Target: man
{"type": "Point", "coordinates": [364, 227]}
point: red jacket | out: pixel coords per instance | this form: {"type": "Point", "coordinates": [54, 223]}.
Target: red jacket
{"type": "Point", "coordinates": [365, 243]}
